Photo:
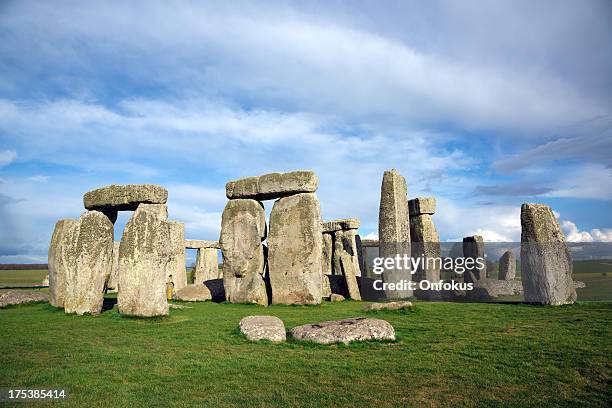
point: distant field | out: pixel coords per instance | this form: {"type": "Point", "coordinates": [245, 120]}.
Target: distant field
{"type": "Point", "coordinates": [22, 277]}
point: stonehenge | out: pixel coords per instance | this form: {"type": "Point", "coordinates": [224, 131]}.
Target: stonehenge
{"type": "Point", "coordinates": [394, 229]}
{"type": "Point", "coordinates": [546, 262]}
{"type": "Point", "coordinates": [507, 266]}
{"type": "Point", "coordinates": [207, 260]}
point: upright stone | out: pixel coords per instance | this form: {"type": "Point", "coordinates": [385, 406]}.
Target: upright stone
{"type": "Point", "coordinates": [295, 243]}
{"type": "Point", "coordinates": [243, 228]}
{"type": "Point", "coordinates": [144, 254]}
{"type": "Point", "coordinates": [207, 265]}
{"type": "Point", "coordinates": [326, 254]}
{"type": "Point", "coordinates": [394, 229]}
{"type": "Point", "coordinates": [546, 263]}
{"type": "Point", "coordinates": [425, 240]}
{"type": "Point", "coordinates": [473, 247]}
{"type": "Point", "coordinates": [348, 269]}
{"type": "Point", "coordinates": [94, 261]}
{"type": "Point", "coordinates": [507, 266]}
{"type": "Point", "coordinates": [62, 258]}
{"type": "Point", "coordinates": [176, 272]}
{"type": "Point", "coordinates": [113, 279]}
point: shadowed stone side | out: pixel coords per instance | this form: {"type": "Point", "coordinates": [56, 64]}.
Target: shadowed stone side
{"type": "Point", "coordinates": [348, 269]}
{"type": "Point", "coordinates": [546, 263]}
{"type": "Point", "coordinates": [143, 257]}
{"type": "Point", "coordinates": [207, 265]}
{"type": "Point", "coordinates": [394, 228]}
{"type": "Point", "coordinates": [473, 247]}
{"type": "Point", "coordinates": [94, 261]}
{"type": "Point", "coordinates": [176, 262]}
{"type": "Point", "coordinates": [62, 257]}
{"type": "Point", "coordinates": [243, 228]}
{"type": "Point", "coordinates": [273, 185]}
{"type": "Point", "coordinates": [295, 243]}
{"type": "Point", "coordinates": [113, 279]}
{"type": "Point", "coordinates": [507, 266]}
{"type": "Point", "coordinates": [326, 254]}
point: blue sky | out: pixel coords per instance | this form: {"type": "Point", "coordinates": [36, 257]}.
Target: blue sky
{"type": "Point", "coordinates": [484, 105]}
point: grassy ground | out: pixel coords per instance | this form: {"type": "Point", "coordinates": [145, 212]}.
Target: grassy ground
{"type": "Point", "coordinates": [448, 354]}
{"type": "Point", "coordinates": [26, 277]}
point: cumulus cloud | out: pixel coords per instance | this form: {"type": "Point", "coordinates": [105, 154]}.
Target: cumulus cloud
{"type": "Point", "coordinates": [573, 234]}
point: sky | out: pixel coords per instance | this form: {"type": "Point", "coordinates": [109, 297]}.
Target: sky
{"type": "Point", "coordinates": [483, 105]}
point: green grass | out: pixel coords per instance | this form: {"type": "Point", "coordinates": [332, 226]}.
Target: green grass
{"type": "Point", "coordinates": [25, 277]}
{"type": "Point", "coordinates": [447, 354]}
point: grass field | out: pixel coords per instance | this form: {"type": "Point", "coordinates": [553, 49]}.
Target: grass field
{"type": "Point", "coordinates": [447, 354]}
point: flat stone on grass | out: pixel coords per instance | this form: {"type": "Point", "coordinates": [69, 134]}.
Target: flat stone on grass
{"type": "Point", "coordinates": [257, 328]}
{"type": "Point", "coordinates": [345, 331]}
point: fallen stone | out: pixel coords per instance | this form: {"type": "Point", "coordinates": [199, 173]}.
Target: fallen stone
{"type": "Point", "coordinates": [473, 247]}
{"type": "Point", "coordinates": [19, 297]}
{"type": "Point", "coordinates": [62, 259]}
{"type": "Point", "coordinates": [200, 243]}
{"type": "Point", "coordinates": [143, 257]}
{"type": "Point", "coordinates": [345, 331]}
{"type": "Point", "coordinates": [394, 229]}
{"type": "Point", "coordinates": [340, 225]}
{"type": "Point", "coordinates": [257, 328]}
{"type": "Point", "coordinates": [94, 262]}
{"type": "Point", "coordinates": [243, 228]}
{"type": "Point", "coordinates": [193, 293]}
{"type": "Point", "coordinates": [422, 205]}
{"type": "Point", "coordinates": [507, 266]}
{"type": "Point", "coordinates": [295, 243]}
{"type": "Point", "coordinates": [176, 271]}
{"type": "Point", "coordinates": [546, 262]}
{"type": "Point", "coordinates": [273, 185]}
{"type": "Point", "coordinates": [124, 197]}
{"type": "Point", "coordinates": [335, 297]}
{"type": "Point", "coordinates": [207, 265]}
{"type": "Point", "coordinates": [389, 306]}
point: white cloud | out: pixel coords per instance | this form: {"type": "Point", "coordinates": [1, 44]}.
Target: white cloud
{"type": "Point", "coordinates": [573, 234]}
{"type": "Point", "coordinates": [7, 157]}
{"type": "Point", "coordinates": [38, 178]}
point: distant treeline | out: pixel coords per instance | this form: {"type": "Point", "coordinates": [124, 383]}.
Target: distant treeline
{"type": "Point", "coordinates": [4, 267]}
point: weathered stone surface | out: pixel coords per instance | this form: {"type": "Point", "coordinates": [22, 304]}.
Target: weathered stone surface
{"type": "Point", "coordinates": [348, 269]}
{"type": "Point", "coordinates": [546, 262]}
{"type": "Point", "coordinates": [335, 297]}
{"type": "Point", "coordinates": [273, 185]}
{"type": "Point", "coordinates": [327, 254]}
{"type": "Point", "coordinates": [193, 293]}
{"type": "Point", "coordinates": [257, 328]}
{"type": "Point", "coordinates": [19, 297]}
{"type": "Point", "coordinates": [200, 243]}
{"type": "Point", "coordinates": [369, 243]}
{"type": "Point", "coordinates": [489, 289]}
{"type": "Point", "coordinates": [345, 331]}
{"type": "Point", "coordinates": [143, 257]}
{"type": "Point", "coordinates": [473, 247]}
{"type": "Point", "coordinates": [45, 281]}
{"type": "Point", "coordinates": [349, 244]}
{"type": "Point", "coordinates": [124, 197]}
{"type": "Point", "coordinates": [579, 284]}
{"type": "Point", "coordinates": [62, 258]}
{"type": "Point", "coordinates": [160, 210]}
{"type": "Point", "coordinates": [295, 243]}
{"type": "Point", "coordinates": [507, 266]}
{"type": "Point", "coordinates": [341, 225]}
{"type": "Point", "coordinates": [176, 271]}
{"type": "Point", "coordinates": [326, 287]}
{"type": "Point", "coordinates": [394, 229]}
{"type": "Point", "coordinates": [389, 306]}
{"type": "Point", "coordinates": [425, 242]}
{"type": "Point", "coordinates": [243, 228]}
{"type": "Point", "coordinates": [94, 262]}
{"type": "Point", "coordinates": [113, 279]}
{"type": "Point", "coordinates": [422, 205]}
{"type": "Point", "coordinates": [207, 265]}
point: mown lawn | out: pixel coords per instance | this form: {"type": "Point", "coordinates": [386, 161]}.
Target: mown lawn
{"type": "Point", "coordinates": [447, 354]}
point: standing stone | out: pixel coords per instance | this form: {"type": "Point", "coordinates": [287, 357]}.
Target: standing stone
{"type": "Point", "coordinates": [207, 265]}
{"type": "Point", "coordinates": [176, 271]}
{"type": "Point", "coordinates": [94, 261]}
{"type": "Point", "coordinates": [507, 266]}
{"type": "Point", "coordinates": [350, 247]}
{"type": "Point", "coordinates": [425, 240]}
{"type": "Point", "coordinates": [327, 254]}
{"type": "Point", "coordinates": [243, 228]}
{"type": "Point", "coordinates": [326, 287]}
{"type": "Point", "coordinates": [113, 280]}
{"type": "Point", "coordinates": [348, 268]}
{"type": "Point", "coordinates": [546, 263]}
{"type": "Point", "coordinates": [394, 229]}
{"type": "Point", "coordinates": [144, 254]}
{"type": "Point", "coordinates": [62, 259]}
{"type": "Point", "coordinates": [338, 249]}
{"type": "Point", "coordinates": [295, 243]}
{"type": "Point", "coordinates": [473, 247]}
